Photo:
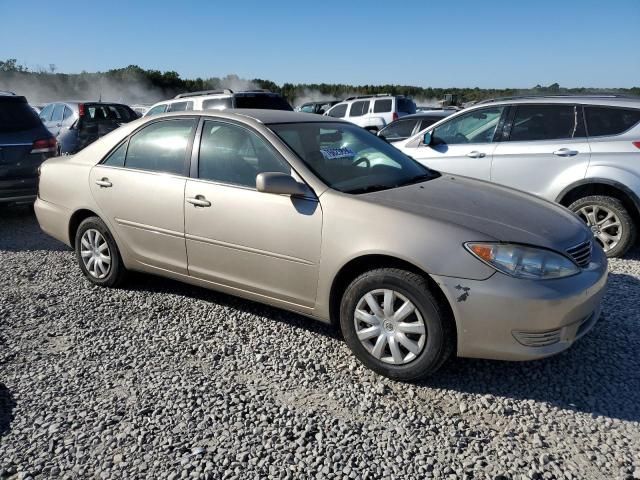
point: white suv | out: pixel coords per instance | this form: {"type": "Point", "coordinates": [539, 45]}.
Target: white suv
{"type": "Point", "coordinates": [221, 100]}
{"type": "Point", "coordinates": [580, 151]}
{"type": "Point", "coordinates": [373, 112]}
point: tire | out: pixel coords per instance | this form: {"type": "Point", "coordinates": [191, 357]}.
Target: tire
{"type": "Point", "coordinates": [600, 207]}
{"type": "Point", "coordinates": [114, 272]}
{"type": "Point", "coordinates": [439, 337]}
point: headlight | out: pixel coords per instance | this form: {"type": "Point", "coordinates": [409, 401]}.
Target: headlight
{"type": "Point", "coordinates": [523, 262]}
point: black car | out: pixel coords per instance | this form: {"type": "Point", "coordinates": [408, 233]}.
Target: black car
{"type": "Point", "coordinates": [317, 107]}
{"type": "Point", "coordinates": [24, 144]}
{"type": "Point", "coordinates": [77, 124]}
{"type": "Point", "coordinates": [409, 125]}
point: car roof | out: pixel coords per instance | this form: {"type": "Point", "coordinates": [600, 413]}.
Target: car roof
{"type": "Point", "coordinates": [429, 113]}
{"type": "Point", "coordinates": [612, 100]}
{"type": "Point", "coordinates": [258, 115]}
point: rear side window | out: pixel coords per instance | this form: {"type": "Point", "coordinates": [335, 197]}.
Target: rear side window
{"type": "Point", "coordinates": [603, 121]}
{"type": "Point", "coordinates": [406, 106]}
{"type": "Point", "coordinates": [217, 103]}
{"type": "Point", "coordinates": [16, 115]}
{"type": "Point", "coordinates": [116, 159]}
{"type": "Point", "coordinates": [180, 106]}
{"type": "Point", "coordinates": [161, 147]}
{"type": "Point", "coordinates": [45, 114]}
{"type": "Point", "coordinates": [338, 111]}
{"type": "Point", "coordinates": [359, 108]}
{"type": "Point", "coordinates": [67, 113]}
{"type": "Point", "coordinates": [546, 122]}
{"type": "Point", "coordinates": [382, 106]}
{"type": "Point", "coordinates": [58, 111]}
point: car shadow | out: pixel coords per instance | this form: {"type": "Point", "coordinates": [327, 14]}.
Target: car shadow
{"type": "Point", "coordinates": [598, 375]}
{"type": "Point", "coordinates": [7, 404]}
{"type": "Point", "coordinates": [19, 231]}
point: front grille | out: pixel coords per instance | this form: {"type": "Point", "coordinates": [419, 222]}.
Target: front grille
{"type": "Point", "coordinates": [537, 339]}
{"type": "Point", "coordinates": [581, 253]}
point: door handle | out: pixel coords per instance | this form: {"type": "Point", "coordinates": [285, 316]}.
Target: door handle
{"type": "Point", "coordinates": [475, 154]}
{"type": "Point", "coordinates": [104, 182]}
{"type": "Point", "coordinates": [565, 152]}
{"type": "Point", "coordinates": [199, 201]}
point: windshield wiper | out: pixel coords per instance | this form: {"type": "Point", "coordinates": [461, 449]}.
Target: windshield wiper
{"type": "Point", "coordinates": [370, 188]}
{"type": "Point", "coordinates": [417, 179]}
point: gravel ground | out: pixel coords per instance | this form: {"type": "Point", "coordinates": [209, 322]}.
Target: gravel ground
{"type": "Point", "coordinates": [163, 380]}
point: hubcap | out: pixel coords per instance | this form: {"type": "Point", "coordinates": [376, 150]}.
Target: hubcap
{"type": "Point", "coordinates": [390, 327]}
{"type": "Point", "coordinates": [604, 224]}
{"type": "Point", "coordinates": [95, 253]}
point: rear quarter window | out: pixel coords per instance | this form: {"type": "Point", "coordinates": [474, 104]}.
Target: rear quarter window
{"type": "Point", "coordinates": [382, 106]}
{"type": "Point", "coordinates": [603, 121]}
{"type": "Point", "coordinates": [406, 106]}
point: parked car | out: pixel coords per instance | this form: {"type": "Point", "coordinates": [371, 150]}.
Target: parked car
{"type": "Point", "coordinates": [140, 109]}
{"type": "Point", "coordinates": [221, 100]}
{"type": "Point", "coordinates": [409, 125]}
{"type": "Point", "coordinates": [373, 112]}
{"type": "Point", "coordinates": [318, 216]}
{"type": "Point", "coordinates": [77, 124]}
{"type": "Point", "coordinates": [317, 107]}
{"type": "Point", "coordinates": [582, 152]}
{"type": "Point", "coordinates": [24, 144]}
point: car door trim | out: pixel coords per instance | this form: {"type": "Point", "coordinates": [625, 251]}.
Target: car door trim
{"type": "Point", "coordinates": [242, 248]}
{"type": "Point", "coordinates": [148, 228]}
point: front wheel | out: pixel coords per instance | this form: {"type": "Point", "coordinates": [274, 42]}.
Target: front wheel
{"type": "Point", "coordinates": [610, 222]}
{"type": "Point", "coordinates": [394, 325]}
{"type": "Point", "coordinates": [98, 254]}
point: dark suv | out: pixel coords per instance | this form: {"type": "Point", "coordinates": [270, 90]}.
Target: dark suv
{"type": "Point", "coordinates": [24, 144]}
{"type": "Point", "coordinates": [76, 124]}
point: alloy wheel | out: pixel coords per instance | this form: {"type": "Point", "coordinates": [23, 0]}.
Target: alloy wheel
{"type": "Point", "coordinates": [604, 224]}
{"type": "Point", "coordinates": [95, 253]}
{"type": "Point", "coordinates": [390, 326]}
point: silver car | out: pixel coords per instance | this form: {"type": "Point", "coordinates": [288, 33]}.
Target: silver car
{"type": "Point", "coordinates": [317, 216]}
{"type": "Point", "coordinates": [582, 152]}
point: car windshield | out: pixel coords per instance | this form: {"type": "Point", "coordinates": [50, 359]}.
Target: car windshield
{"type": "Point", "coordinates": [350, 159]}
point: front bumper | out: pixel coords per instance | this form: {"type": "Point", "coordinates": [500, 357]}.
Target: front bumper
{"type": "Point", "coordinates": [505, 318]}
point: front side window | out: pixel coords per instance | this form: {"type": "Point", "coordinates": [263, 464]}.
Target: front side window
{"type": "Point", "coordinates": [359, 108]}
{"type": "Point", "coordinates": [180, 106]}
{"type": "Point", "coordinates": [58, 112]}
{"type": "Point", "coordinates": [67, 113]}
{"type": "Point", "coordinates": [161, 147]}
{"type": "Point", "coordinates": [382, 106]}
{"type": "Point", "coordinates": [399, 129]}
{"type": "Point", "coordinates": [156, 110]}
{"type": "Point", "coordinates": [308, 108]}
{"type": "Point", "coordinates": [235, 155]}
{"type": "Point", "coordinates": [427, 122]}
{"type": "Point", "coordinates": [603, 121]}
{"type": "Point", "coordinates": [339, 111]}
{"type": "Point", "coordinates": [545, 122]}
{"type": "Point", "coordinates": [477, 126]}
{"type": "Point", "coordinates": [217, 103]}
{"type": "Point", "coordinates": [350, 159]}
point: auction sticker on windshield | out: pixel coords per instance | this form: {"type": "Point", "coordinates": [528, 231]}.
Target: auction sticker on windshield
{"type": "Point", "coordinates": [334, 153]}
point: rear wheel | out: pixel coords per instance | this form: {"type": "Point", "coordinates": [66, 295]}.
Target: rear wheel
{"type": "Point", "coordinates": [610, 222]}
{"type": "Point", "coordinates": [394, 325]}
{"type": "Point", "coordinates": [98, 254]}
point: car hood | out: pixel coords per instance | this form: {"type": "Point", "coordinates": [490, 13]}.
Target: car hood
{"type": "Point", "coordinates": [505, 214]}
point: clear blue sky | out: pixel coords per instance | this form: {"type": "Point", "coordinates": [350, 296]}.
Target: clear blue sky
{"type": "Point", "coordinates": [488, 43]}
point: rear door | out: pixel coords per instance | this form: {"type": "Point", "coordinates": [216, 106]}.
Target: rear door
{"type": "Point", "coordinates": [544, 149]}
{"type": "Point", "coordinates": [140, 190]}
{"type": "Point", "coordinates": [463, 145]}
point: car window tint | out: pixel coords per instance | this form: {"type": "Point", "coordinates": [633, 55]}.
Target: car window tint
{"type": "Point", "coordinates": [427, 122]}
{"type": "Point", "coordinates": [217, 103]}
{"type": "Point", "coordinates": [406, 106]}
{"type": "Point", "coordinates": [609, 120]}
{"type": "Point", "coordinates": [545, 122]}
{"type": "Point", "coordinates": [116, 158]}
{"type": "Point", "coordinates": [477, 126]}
{"type": "Point", "coordinates": [338, 111]}
{"type": "Point", "coordinates": [382, 106]}
{"type": "Point", "coordinates": [262, 101]}
{"type": "Point", "coordinates": [359, 108]}
{"type": "Point", "coordinates": [180, 106]}
{"type": "Point", "coordinates": [308, 108]}
{"type": "Point", "coordinates": [57, 112]}
{"type": "Point", "coordinates": [45, 114]}
{"type": "Point", "coordinates": [161, 147]}
{"type": "Point", "coordinates": [399, 129]}
{"type": "Point", "coordinates": [235, 155]}
{"type": "Point", "coordinates": [156, 110]}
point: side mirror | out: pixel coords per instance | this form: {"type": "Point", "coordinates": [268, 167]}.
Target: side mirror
{"type": "Point", "coordinates": [280, 184]}
{"type": "Point", "coordinates": [427, 138]}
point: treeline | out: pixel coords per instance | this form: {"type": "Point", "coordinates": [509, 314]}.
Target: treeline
{"type": "Point", "coordinates": [134, 84]}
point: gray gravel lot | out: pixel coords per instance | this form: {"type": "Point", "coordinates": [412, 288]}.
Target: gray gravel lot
{"type": "Point", "coordinates": [164, 380]}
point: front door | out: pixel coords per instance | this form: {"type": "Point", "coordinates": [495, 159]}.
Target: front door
{"type": "Point", "coordinates": [463, 145]}
{"type": "Point", "coordinates": [140, 191]}
{"type": "Point", "coordinates": [263, 243]}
